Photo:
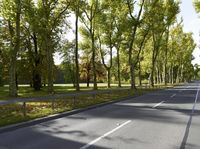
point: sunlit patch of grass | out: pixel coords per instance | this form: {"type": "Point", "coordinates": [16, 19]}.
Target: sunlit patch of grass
{"type": "Point", "coordinates": [27, 91]}
{"type": "Point", "coordinates": [4, 93]}
{"type": "Point", "coordinates": [11, 114]}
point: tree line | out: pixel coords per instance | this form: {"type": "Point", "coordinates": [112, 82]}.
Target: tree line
{"type": "Point", "coordinates": [122, 41]}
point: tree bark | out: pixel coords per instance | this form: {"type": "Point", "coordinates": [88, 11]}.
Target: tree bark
{"type": "Point", "coordinates": [93, 63]}
{"type": "Point", "coordinates": [133, 77]}
{"type": "Point", "coordinates": [92, 33]}
{"type": "Point", "coordinates": [177, 76]}
{"type": "Point", "coordinates": [37, 82]}
{"type": "Point", "coordinates": [118, 68]}
{"type": "Point", "coordinates": [166, 53]}
{"type": "Point", "coordinates": [108, 77]}
{"type": "Point", "coordinates": [182, 78]}
{"type": "Point", "coordinates": [88, 74]}
{"type": "Point", "coordinates": [108, 68]}
{"type": "Point", "coordinates": [130, 51]}
{"type": "Point", "coordinates": [152, 73]}
{"type": "Point", "coordinates": [88, 80]}
{"type": "Point", "coordinates": [139, 73]}
{"type": "Point", "coordinates": [14, 50]}
{"type": "Point", "coordinates": [172, 75]}
{"type": "Point", "coordinates": [76, 50]}
{"type": "Point", "coordinates": [49, 64]}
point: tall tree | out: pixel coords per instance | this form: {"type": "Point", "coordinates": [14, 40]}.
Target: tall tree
{"type": "Point", "coordinates": [12, 14]}
{"type": "Point", "coordinates": [89, 20]}
{"type": "Point", "coordinates": [105, 35]}
{"type": "Point", "coordinates": [76, 49]}
{"type": "Point", "coordinates": [160, 15]}
{"type": "Point", "coordinates": [76, 7]}
{"type": "Point", "coordinates": [135, 23]}
{"type": "Point", "coordinates": [172, 9]}
{"type": "Point", "coordinates": [52, 13]}
{"type": "Point", "coordinates": [31, 27]}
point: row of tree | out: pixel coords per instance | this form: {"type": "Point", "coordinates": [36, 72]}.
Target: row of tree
{"type": "Point", "coordinates": [122, 39]}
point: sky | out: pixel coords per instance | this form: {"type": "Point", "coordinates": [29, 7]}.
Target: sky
{"type": "Point", "coordinates": [191, 22]}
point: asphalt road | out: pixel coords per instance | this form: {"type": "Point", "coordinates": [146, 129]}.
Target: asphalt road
{"type": "Point", "coordinates": [167, 119]}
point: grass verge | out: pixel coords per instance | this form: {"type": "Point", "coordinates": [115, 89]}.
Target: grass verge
{"type": "Point", "coordinates": [12, 114]}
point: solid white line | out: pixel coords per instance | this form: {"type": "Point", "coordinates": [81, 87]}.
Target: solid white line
{"type": "Point", "coordinates": [196, 98]}
{"type": "Point", "coordinates": [103, 136]}
{"type": "Point", "coordinates": [158, 104]}
{"type": "Point", "coordinates": [173, 95]}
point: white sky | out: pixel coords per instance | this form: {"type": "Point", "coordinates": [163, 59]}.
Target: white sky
{"type": "Point", "coordinates": [191, 22]}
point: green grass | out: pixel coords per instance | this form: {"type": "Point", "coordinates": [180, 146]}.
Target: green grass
{"type": "Point", "coordinates": [27, 91]}
{"type": "Point", "coordinates": [11, 114]}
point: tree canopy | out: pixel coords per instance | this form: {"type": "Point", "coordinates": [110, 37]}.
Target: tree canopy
{"type": "Point", "coordinates": [121, 41]}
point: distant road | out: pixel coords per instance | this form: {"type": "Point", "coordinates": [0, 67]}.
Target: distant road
{"type": "Point", "coordinates": [167, 119]}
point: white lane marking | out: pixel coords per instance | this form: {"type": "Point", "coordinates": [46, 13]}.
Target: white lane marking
{"type": "Point", "coordinates": [196, 98]}
{"type": "Point", "coordinates": [184, 88]}
{"type": "Point", "coordinates": [158, 104]}
{"type": "Point", "coordinates": [173, 95]}
{"type": "Point", "coordinates": [103, 136]}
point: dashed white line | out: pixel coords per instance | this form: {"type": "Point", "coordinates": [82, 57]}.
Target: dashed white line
{"type": "Point", "coordinates": [158, 104]}
{"type": "Point", "coordinates": [173, 95]}
{"type": "Point", "coordinates": [103, 136]}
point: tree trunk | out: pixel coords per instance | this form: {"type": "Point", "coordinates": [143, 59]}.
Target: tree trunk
{"type": "Point", "coordinates": [76, 50]}
{"type": "Point", "coordinates": [88, 75]}
{"type": "Point", "coordinates": [108, 68]}
{"type": "Point", "coordinates": [166, 53]}
{"type": "Point", "coordinates": [155, 80]}
{"type": "Point", "coordinates": [37, 81]}
{"type": "Point", "coordinates": [12, 76]}
{"type": "Point", "coordinates": [1, 70]}
{"type": "Point", "coordinates": [49, 64]}
{"type": "Point", "coordinates": [118, 68]}
{"type": "Point", "coordinates": [133, 77]}
{"type": "Point", "coordinates": [108, 77]}
{"type": "Point", "coordinates": [14, 49]}
{"type": "Point", "coordinates": [154, 57]}
{"type": "Point", "coordinates": [88, 80]}
{"type": "Point", "coordinates": [130, 52]}
{"type": "Point", "coordinates": [177, 76]}
{"type": "Point", "coordinates": [158, 76]}
{"type": "Point", "coordinates": [140, 78]}
{"type": "Point", "coordinates": [172, 75]}
{"type": "Point", "coordinates": [182, 78]}
{"type": "Point", "coordinates": [16, 83]}
{"type": "Point", "coordinates": [93, 64]}
{"type": "Point", "coordinates": [92, 32]}
{"type": "Point", "coordinates": [152, 75]}
{"type": "Point", "coordinates": [169, 75]}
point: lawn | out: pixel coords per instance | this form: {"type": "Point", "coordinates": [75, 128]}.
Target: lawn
{"type": "Point", "coordinates": [27, 91]}
{"type": "Point", "coordinates": [11, 114]}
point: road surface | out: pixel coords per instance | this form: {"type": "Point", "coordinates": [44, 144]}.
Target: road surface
{"type": "Point", "coordinates": [166, 119]}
